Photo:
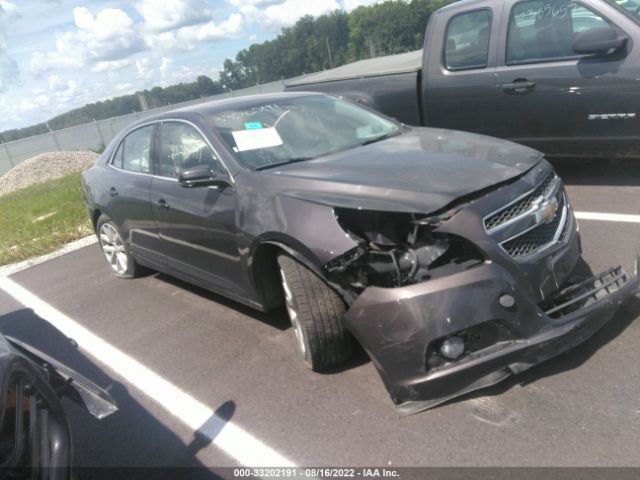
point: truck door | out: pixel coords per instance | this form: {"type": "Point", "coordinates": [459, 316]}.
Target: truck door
{"type": "Point", "coordinates": [458, 85]}
{"type": "Point", "coordinates": [561, 102]}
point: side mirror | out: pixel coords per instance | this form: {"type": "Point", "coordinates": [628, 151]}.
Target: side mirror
{"type": "Point", "coordinates": [200, 176]}
{"type": "Point", "coordinates": [598, 41]}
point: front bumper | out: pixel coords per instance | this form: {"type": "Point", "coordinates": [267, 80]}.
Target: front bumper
{"type": "Point", "coordinates": [398, 326]}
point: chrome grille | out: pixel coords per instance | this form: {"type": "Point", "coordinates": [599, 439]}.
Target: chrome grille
{"type": "Point", "coordinates": [522, 205]}
{"type": "Point", "coordinates": [538, 238]}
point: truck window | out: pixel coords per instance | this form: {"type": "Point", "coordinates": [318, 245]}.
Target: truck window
{"type": "Point", "coordinates": [631, 8]}
{"type": "Point", "coordinates": [466, 44]}
{"type": "Point", "coordinates": [545, 30]}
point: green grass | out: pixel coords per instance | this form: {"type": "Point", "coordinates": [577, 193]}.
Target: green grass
{"type": "Point", "coordinates": [42, 218]}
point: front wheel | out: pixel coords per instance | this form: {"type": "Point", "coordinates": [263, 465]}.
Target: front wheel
{"type": "Point", "coordinates": [115, 250]}
{"type": "Point", "coordinates": [315, 311]}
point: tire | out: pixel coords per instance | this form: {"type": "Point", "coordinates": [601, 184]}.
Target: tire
{"type": "Point", "coordinates": [315, 311]}
{"type": "Point", "coordinates": [115, 249]}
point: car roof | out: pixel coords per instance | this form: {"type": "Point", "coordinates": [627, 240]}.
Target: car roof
{"type": "Point", "coordinates": [194, 112]}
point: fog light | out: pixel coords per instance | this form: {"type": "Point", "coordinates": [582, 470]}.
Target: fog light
{"type": "Point", "coordinates": [507, 301]}
{"type": "Point", "coordinates": [452, 347]}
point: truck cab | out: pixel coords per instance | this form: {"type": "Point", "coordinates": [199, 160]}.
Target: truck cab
{"type": "Point", "coordinates": [560, 76]}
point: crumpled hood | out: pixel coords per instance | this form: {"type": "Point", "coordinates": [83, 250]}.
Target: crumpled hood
{"type": "Point", "coordinates": [422, 170]}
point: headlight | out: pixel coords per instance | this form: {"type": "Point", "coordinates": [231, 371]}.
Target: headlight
{"type": "Point", "coordinates": [396, 249]}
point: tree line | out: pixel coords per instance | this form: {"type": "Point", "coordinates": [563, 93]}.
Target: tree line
{"type": "Point", "coordinates": [311, 45]}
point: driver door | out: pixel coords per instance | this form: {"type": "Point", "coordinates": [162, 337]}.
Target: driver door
{"type": "Point", "coordinates": [196, 225]}
{"type": "Point", "coordinates": [554, 99]}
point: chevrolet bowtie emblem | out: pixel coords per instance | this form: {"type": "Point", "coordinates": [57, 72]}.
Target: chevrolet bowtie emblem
{"type": "Point", "coordinates": [547, 209]}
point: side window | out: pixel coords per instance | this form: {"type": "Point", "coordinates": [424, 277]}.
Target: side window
{"type": "Point", "coordinates": [182, 147]}
{"type": "Point", "coordinates": [467, 40]}
{"type": "Point", "coordinates": [117, 158]}
{"type": "Point", "coordinates": [583, 19]}
{"type": "Point", "coordinates": [545, 30]}
{"type": "Point", "coordinates": [134, 153]}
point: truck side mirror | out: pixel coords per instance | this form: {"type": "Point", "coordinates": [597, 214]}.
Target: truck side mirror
{"type": "Point", "coordinates": [598, 41]}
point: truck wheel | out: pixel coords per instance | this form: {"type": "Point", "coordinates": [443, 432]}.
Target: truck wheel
{"type": "Point", "coordinates": [116, 250]}
{"type": "Point", "coordinates": [315, 311]}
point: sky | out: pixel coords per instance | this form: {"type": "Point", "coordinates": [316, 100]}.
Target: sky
{"type": "Point", "coordinates": [56, 55]}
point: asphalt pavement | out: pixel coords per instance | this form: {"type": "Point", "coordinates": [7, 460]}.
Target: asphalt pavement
{"type": "Point", "coordinates": [579, 409]}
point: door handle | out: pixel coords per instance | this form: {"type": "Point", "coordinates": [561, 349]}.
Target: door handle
{"type": "Point", "coordinates": [162, 204]}
{"type": "Point", "coordinates": [519, 86]}
{"type": "Point", "coordinates": [113, 192]}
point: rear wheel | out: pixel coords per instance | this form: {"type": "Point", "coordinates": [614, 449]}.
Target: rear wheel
{"type": "Point", "coordinates": [315, 311]}
{"type": "Point", "coordinates": [115, 250]}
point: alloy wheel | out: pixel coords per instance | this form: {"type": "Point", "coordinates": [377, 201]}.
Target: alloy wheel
{"type": "Point", "coordinates": [113, 248]}
{"type": "Point", "coordinates": [293, 316]}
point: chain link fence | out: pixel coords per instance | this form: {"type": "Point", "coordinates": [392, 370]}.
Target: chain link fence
{"type": "Point", "coordinates": [96, 135]}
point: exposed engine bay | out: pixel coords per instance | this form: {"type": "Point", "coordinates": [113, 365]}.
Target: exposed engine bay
{"type": "Point", "coordinates": [397, 249]}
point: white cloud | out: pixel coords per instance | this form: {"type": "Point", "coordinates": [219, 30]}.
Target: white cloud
{"type": "Point", "coordinates": [283, 14]}
{"type": "Point", "coordinates": [256, 3]}
{"type": "Point", "coordinates": [164, 15]}
{"type": "Point", "coordinates": [184, 74]}
{"type": "Point", "coordinates": [124, 88]}
{"type": "Point", "coordinates": [108, 36]}
{"type": "Point", "coordinates": [112, 65]}
{"type": "Point", "coordinates": [8, 66]}
{"type": "Point", "coordinates": [143, 68]}
{"type": "Point", "coordinates": [352, 4]}
{"type": "Point", "coordinates": [164, 67]}
{"type": "Point", "coordinates": [61, 95]}
{"type": "Point", "coordinates": [187, 38]}
{"type": "Point", "coordinates": [34, 103]}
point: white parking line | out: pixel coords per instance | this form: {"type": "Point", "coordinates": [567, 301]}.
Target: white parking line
{"type": "Point", "coordinates": [608, 217]}
{"type": "Point", "coordinates": [230, 438]}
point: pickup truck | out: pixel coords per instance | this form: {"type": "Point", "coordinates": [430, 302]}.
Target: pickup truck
{"type": "Point", "coordinates": [560, 76]}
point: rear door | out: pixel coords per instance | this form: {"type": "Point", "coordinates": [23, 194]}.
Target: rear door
{"type": "Point", "coordinates": [129, 183]}
{"type": "Point", "coordinates": [459, 90]}
{"type": "Point", "coordinates": [197, 225]}
{"type": "Point", "coordinates": [556, 100]}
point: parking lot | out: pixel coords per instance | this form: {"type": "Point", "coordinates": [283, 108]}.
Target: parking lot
{"type": "Point", "coordinates": [217, 357]}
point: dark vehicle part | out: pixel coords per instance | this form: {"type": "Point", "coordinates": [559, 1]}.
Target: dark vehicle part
{"type": "Point", "coordinates": [443, 253]}
{"type": "Point", "coordinates": [598, 41]}
{"type": "Point", "coordinates": [69, 382]}
{"type": "Point", "coordinates": [35, 441]}
{"type": "Point", "coordinates": [586, 293]}
{"type": "Point", "coordinates": [316, 314]}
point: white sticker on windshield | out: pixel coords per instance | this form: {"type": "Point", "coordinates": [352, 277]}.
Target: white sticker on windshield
{"type": "Point", "coordinates": [256, 138]}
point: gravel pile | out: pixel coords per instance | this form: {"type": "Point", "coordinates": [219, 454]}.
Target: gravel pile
{"type": "Point", "coordinates": [43, 167]}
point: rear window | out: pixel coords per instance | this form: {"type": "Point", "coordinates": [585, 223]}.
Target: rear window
{"type": "Point", "coordinates": [134, 151]}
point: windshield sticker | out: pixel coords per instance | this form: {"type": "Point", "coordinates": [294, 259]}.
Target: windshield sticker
{"type": "Point", "coordinates": [252, 125]}
{"type": "Point", "coordinates": [258, 138]}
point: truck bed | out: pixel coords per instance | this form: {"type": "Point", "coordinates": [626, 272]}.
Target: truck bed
{"type": "Point", "coordinates": [389, 65]}
{"type": "Point", "coordinates": [388, 84]}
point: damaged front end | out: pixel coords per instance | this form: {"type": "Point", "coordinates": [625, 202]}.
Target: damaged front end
{"type": "Point", "coordinates": [444, 305]}
{"type": "Point", "coordinates": [397, 249]}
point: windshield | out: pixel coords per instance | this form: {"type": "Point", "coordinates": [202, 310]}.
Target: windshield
{"type": "Point", "coordinates": [299, 128]}
{"type": "Point", "coordinates": [630, 7]}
